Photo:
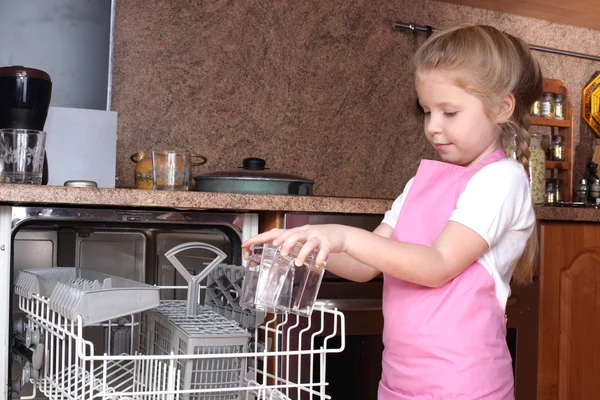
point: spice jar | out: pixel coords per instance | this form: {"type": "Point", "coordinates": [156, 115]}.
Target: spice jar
{"type": "Point", "coordinates": [536, 109]}
{"type": "Point", "coordinates": [558, 190]}
{"type": "Point", "coordinates": [594, 190]}
{"type": "Point", "coordinates": [559, 106]}
{"type": "Point", "coordinates": [581, 192]}
{"type": "Point", "coordinates": [549, 192]}
{"type": "Point", "coordinates": [557, 148]}
{"type": "Point", "coordinates": [537, 169]}
{"type": "Point", "coordinates": [547, 105]}
{"type": "Point", "coordinates": [592, 168]}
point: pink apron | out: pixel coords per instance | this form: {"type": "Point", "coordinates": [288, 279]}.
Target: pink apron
{"type": "Point", "coordinates": [446, 343]}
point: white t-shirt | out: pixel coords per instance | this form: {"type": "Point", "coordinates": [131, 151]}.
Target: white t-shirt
{"type": "Point", "coordinates": [496, 203]}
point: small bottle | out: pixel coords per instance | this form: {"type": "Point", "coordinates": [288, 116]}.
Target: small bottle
{"type": "Point", "coordinates": [557, 148]}
{"type": "Point", "coordinates": [594, 190]}
{"type": "Point", "coordinates": [558, 191]}
{"type": "Point", "coordinates": [581, 192]}
{"type": "Point", "coordinates": [547, 105]}
{"type": "Point", "coordinates": [549, 192]}
{"type": "Point", "coordinates": [536, 109]}
{"type": "Point", "coordinates": [559, 106]}
{"type": "Point", "coordinates": [592, 168]}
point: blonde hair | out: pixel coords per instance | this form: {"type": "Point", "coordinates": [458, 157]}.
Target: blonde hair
{"type": "Point", "coordinates": [490, 65]}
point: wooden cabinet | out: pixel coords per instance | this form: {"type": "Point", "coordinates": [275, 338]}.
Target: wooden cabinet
{"type": "Point", "coordinates": [562, 170]}
{"type": "Point", "coordinates": [569, 320]}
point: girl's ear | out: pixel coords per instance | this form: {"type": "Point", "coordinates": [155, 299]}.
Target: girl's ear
{"type": "Point", "coordinates": [505, 109]}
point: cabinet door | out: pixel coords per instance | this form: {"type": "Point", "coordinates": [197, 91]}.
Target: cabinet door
{"type": "Point", "coordinates": [569, 324]}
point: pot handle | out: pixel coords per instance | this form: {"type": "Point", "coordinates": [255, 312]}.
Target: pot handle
{"type": "Point", "coordinates": [202, 160]}
{"type": "Point", "coordinates": [135, 157]}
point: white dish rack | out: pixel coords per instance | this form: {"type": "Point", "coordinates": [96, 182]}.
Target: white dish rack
{"type": "Point", "coordinates": [283, 358]}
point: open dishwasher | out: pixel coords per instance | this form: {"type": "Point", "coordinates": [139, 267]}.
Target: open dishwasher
{"type": "Point", "coordinates": [158, 346]}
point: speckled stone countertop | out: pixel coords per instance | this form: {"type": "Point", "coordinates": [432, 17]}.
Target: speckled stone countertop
{"type": "Point", "coordinates": [60, 195]}
{"type": "Point", "coordinates": [572, 214]}
{"type": "Point", "coordinates": [65, 196]}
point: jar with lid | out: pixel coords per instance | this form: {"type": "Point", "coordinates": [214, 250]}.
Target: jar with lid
{"type": "Point", "coordinates": [537, 169]}
{"type": "Point", "coordinates": [549, 192]}
{"type": "Point", "coordinates": [557, 148]}
{"type": "Point", "coordinates": [547, 105]}
{"type": "Point", "coordinates": [559, 106]}
{"type": "Point", "coordinates": [592, 176]}
{"type": "Point", "coordinates": [594, 190]}
{"type": "Point", "coordinates": [558, 190]}
{"type": "Point", "coordinates": [536, 108]}
{"type": "Point", "coordinates": [581, 192]}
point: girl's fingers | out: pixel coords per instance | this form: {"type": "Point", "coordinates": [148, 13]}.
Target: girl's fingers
{"type": "Point", "coordinates": [261, 238]}
{"type": "Point", "coordinates": [292, 237]}
{"type": "Point", "coordinates": [322, 256]}
{"type": "Point", "coordinates": [306, 249]}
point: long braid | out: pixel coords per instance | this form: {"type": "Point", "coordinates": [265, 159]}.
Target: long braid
{"type": "Point", "coordinates": [528, 262]}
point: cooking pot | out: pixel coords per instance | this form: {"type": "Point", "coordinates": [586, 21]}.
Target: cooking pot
{"type": "Point", "coordinates": [253, 177]}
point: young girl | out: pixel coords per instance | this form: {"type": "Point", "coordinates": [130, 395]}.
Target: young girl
{"type": "Point", "coordinates": [459, 232]}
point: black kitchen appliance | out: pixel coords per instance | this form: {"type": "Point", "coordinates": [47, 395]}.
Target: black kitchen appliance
{"type": "Point", "coordinates": [24, 101]}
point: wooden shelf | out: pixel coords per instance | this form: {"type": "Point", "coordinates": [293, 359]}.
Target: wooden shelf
{"type": "Point", "coordinates": [562, 165]}
{"type": "Point", "coordinates": [559, 123]}
{"type": "Point", "coordinates": [562, 170]}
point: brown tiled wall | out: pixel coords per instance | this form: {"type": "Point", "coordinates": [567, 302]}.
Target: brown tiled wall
{"type": "Point", "coordinates": [322, 89]}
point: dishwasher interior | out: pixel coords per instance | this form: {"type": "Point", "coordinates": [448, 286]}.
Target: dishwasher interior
{"type": "Point", "coordinates": [134, 356]}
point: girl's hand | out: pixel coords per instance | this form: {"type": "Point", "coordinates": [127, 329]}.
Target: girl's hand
{"type": "Point", "coordinates": [326, 238]}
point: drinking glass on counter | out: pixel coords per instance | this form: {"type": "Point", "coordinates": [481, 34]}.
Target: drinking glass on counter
{"type": "Point", "coordinates": [22, 155]}
{"type": "Point", "coordinates": [171, 170]}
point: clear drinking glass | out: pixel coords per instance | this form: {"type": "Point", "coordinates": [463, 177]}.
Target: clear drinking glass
{"type": "Point", "coordinates": [307, 281]}
{"type": "Point", "coordinates": [273, 292]}
{"type": "Point", "coordinates": [22, 155]}
{"type": "Point", "coordinates": [273, 283]}
{"type": "Point", "coordinates": [171, 170]}
{"type": "Point", "coordinates": [251, 275]}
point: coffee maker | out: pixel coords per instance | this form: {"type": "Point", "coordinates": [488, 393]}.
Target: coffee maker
{"type": "Point", "coordinates": [24, 100]}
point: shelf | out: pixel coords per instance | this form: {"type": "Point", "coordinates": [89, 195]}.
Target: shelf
{"type": "Point", "coordinates": [563, 165]}
{"type": "Point", "coordinates": [560, 123]}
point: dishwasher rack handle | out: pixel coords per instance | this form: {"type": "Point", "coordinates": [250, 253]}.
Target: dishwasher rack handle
{"type": "Point", "coordinates": [194, 280]}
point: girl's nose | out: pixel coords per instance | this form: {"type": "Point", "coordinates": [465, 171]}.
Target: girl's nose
{"type": "Point", "coordinates": [433, 125]}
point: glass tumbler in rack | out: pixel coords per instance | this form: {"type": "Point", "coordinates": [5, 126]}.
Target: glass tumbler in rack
{"type": "Point", "coordinates": [273, 283]}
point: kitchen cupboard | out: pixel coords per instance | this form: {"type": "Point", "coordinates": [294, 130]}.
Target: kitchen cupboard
{"type": "Point", "coordinates": [569, 323]}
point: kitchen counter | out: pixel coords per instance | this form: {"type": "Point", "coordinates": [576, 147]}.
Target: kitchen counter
{"type": "Point", "coordinates": [136, 198]}
{"type": "Point", "coordinates": [579, 214]}
{"type": "Point", "coordinates": [60, 195]}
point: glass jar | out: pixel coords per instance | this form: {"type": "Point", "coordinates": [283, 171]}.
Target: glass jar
{"type": "Point", "coordinates": [581, 192]}
{"type": "Point", "coordinates": [557, 148]}
{"type": "Point", "coordinates": [537, 169]}
{"type": "Point", "coordinates": [549, 192]}
{"type": "Point", "coordinates": [547, 105]}
{"type": "Point", "coordinates": [595, 190]}
{"type": "Point", "coordinates": [559, 106]}
{"type": "Point", "coordinates": [558, 190]}
{"type": "Point", "coordinates": [536, 109]}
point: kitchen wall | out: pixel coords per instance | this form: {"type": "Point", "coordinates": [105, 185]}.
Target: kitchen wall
{"type": "Point", "coordinates": [322, 89]}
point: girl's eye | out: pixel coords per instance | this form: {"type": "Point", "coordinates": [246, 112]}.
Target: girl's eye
{"type": "Point", "coordinates": [427, 114]}
{"type": "Point", "coordinates": [450, 114]}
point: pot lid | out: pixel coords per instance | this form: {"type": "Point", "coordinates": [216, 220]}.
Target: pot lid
{"type": "Point", "coordinates": [253, 168]}
{"type": "Point", "coordinates": [21, 71]}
